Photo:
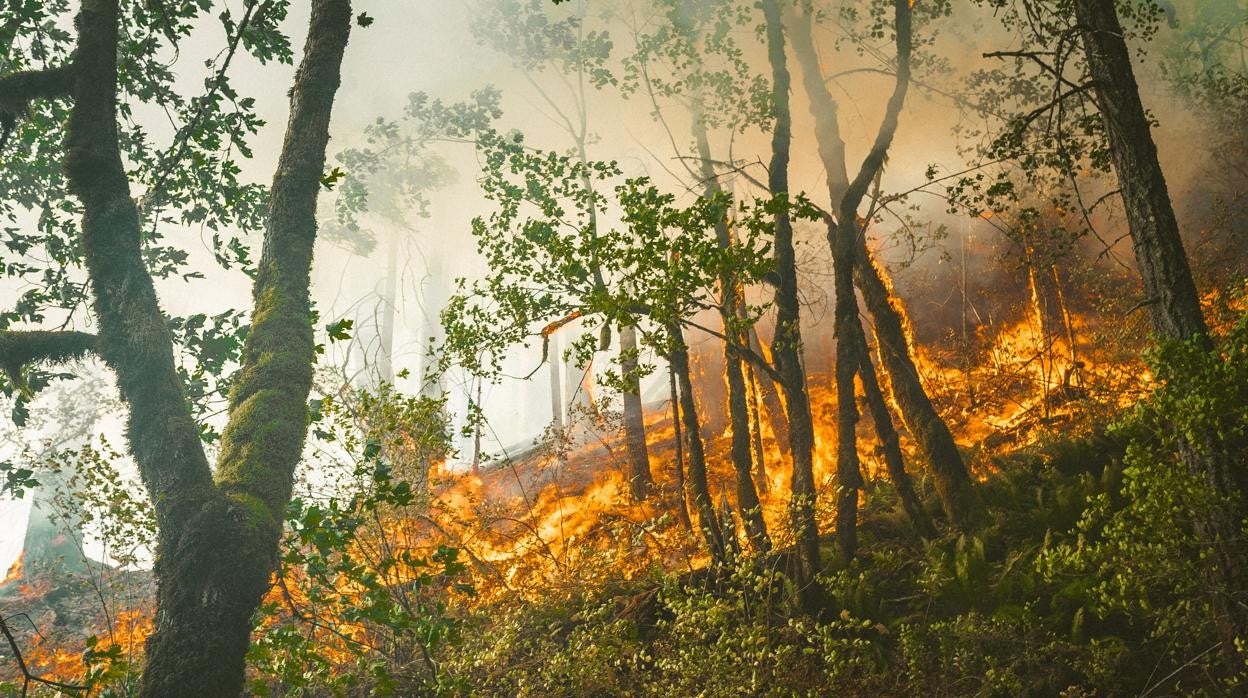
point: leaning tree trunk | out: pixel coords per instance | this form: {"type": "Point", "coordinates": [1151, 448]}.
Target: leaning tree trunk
{"type": "Point", "coordinates": [890, 445]}
{"type": "Point", "coordinates": [699, 490]}
{"type": "Point", "coordinates": [1173, 304]}
{"type": "Point", "coordinates": [787, 343]}
{"type": "Point", "coordinates": [935, 441]}
{"type": "Point", "coordinates": [738, 406]}
{"type": "Point", "coordinates": [953, 481]}
{"type": "Point", "coordinates": [639, 478]}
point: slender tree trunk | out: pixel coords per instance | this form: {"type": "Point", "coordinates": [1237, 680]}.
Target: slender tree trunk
{"type": "Point", "coordinates": [683, 503]}
{"type": "Point", "coordinates": [476, 434]}
{"type": "Point", "coordinates": [848, 327]}
{"type": "Point", "coordinates": [756, 428]}
{"type": "Point", "coordinates": [738, 407]}
{"type": "Point", "coordinates": [1173, 304]}
{"type": "Point", "coordinates": [699, 490]}
{"type": "Point", "coordinates": [953, 482]}
{"type": "Point", "coordinates": [634, 420]}
{"type": "Point", "coordinates": [770, 397]}
{"type": "Point", "coordinates": [389, 310]}
{"type": "Point", "coordinates": [556, 385]}
{"type": "Point", "coordinates": [890, 445]}
{"type": "Point", "coordinates": [787, 344]}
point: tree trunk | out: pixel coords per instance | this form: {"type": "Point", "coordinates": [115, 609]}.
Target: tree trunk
{"type": "Point", "coordinates": [1173, 304]}
{"type": "Point", "coordinates": [738, 407]}
{"type": "Point", "coordinates": [699, 490]}
{"type": "Point", "coordinates": [1170, 292]}
{"type": "Point", "coordinates": [770, 398]}
{"type": "Point", "coordinates": [754, 404]}
{"type": "Point", "coordinates": [935, 441]}
{"type": "Point", "coordinates": [389, 310]}
{"type": "Point", "coordinates": [787, 344]}
{"type": "Point", "coordinates": [216, 540]}
{"type": "Point", "coordinates": [556, 385]}
{"type": "Point", "coordinates": [682, 508]}
{"type": "Point", "coordinates": [476, 433]}
{"type": "Point", "coordinates": [848, 360]}
{"type": "Point", "coordinates": [890, 445]}
{"type": "Point", "coordinates": [639, 480]}
{"type": "Point", "coordinates": [213, 572]}
{"type": "Point", "coordinates": [848, 327]}
{"type": "Point", "coordinates": [953, 482]}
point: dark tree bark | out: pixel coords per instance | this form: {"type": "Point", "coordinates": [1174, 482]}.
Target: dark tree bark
{"type": "Point", "coordinates": [217, 538]}
{"type": "Point", "coordinates": [1170, 292]}
{"type": "Point", "coordinates": [738, 407]}
{"type": "Point", "coordinates": [682, 508]}
{"type": "Point", "coordinates": [890, 445]}
{"type": "Point", "coordinates": [953, 482]}
{"type": "Point", "coordinates": [639, 480]}
{"type": "Point", "coordinates": [786, 346]}
{"type": "Point", "coordinates": [699, 490]}
{"type": "Point", "coordinates": [935, 441]}
{"type": "Point", "coordinates": [1173, 304]}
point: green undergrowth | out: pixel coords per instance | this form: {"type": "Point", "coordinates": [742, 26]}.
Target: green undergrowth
{"type": "Point", "coordinates": [1088, 580]}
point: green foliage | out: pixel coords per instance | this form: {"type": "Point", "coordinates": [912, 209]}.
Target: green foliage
{"type": "Point", "coordinates": [358, 597]}
{"type": "Point", "coordinates": [696, 59]}
{"type": "Point", "coordinates": [16, 480]}
{"type": "Point", "coordinates": [536, 41]}
{"type": "Point", "coordinates": [554, 255]}
{"type": "Point", "coordinates": [210, 352]}
{"type": "Point", "coordinates": [1139, 553]}
{"type": "Point", "coordinates": [191, 177]}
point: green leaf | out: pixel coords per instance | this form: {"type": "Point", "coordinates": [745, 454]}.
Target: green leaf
{"type": "Point", "coordinates": [340, 330]}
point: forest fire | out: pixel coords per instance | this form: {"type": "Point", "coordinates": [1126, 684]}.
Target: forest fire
{"type": "Point", "coordinates": [657, 348]}
{"type": "Point", "coordinates": [547, 516]}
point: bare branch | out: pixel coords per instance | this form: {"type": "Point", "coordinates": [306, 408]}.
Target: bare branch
{"type": "Point", "coordinates": [27, 676]}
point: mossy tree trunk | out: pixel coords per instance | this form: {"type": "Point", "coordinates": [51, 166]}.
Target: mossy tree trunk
{"type": "Point", "coordinates": [1173, 304]}
{"type": "Point", "coordinates": [217, 536]}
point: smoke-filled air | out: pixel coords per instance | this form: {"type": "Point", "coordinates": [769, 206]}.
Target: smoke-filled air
{"type": "Point", "coordinates": [639, 348]}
